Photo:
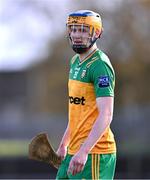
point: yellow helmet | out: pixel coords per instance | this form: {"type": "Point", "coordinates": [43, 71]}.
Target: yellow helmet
{"type": "Point", "coordinates": [85, 18]}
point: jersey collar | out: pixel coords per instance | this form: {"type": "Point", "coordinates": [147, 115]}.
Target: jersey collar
{"type": "Point", "coordinates": [87, 57]}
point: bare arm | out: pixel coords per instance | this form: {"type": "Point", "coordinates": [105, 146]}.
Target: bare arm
{"type": "Point", "coordinates": [105, 107]}
{"type": "Point", "coordinates": [65, 138]}
{"type": "Point", "coordinates": [62, 150]}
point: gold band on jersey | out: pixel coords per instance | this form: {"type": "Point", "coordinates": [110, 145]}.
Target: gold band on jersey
{"type": "Point", "coordinates": [93, 160]}
{"type": "Point", "coordinates": [95, 166]}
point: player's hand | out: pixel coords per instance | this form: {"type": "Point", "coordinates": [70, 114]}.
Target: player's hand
{"type": "Point", "coordinates": [77, 163]}
{"type": "Point", "coordinates": [62, 151]}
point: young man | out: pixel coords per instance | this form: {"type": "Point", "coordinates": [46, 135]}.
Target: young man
{"type": "Point", "coordinates": [88, 147]}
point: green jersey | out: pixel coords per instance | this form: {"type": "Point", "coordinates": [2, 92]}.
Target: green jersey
{"type": "Point", "coordinates": [94, 77]}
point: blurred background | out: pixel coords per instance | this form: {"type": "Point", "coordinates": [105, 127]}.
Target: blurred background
{"type": "Point", "coordinates": [34, 57]}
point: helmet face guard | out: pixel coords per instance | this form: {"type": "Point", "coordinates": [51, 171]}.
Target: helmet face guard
{"type": "Point", "coordinates": [87, 21]}
{"type": "Point", "coordinates": [80, 47]}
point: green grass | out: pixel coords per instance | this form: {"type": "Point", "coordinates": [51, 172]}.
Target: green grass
{"type": "Point", "coordinates": [13, 148]}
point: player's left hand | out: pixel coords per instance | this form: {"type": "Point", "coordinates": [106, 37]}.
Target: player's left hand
{"type": "Point", "coordinates": [77, 163]}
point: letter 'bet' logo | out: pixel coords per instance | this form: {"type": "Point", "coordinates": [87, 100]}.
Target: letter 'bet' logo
{"type": "Point", "coordinates": [103, 81]}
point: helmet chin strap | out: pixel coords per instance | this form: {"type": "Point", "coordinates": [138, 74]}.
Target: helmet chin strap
{"type": "Point", "coordinates": [80, 49]}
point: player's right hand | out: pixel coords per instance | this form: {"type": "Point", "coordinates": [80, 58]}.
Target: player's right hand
{"type": "Point", "coordinates": [62, 151]}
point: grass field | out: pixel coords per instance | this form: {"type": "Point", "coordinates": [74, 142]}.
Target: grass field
{"type": "Point", "coordinates": [13, 148]}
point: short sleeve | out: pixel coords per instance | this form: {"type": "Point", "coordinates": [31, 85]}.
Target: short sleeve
{"type": "Point", "coordinates": [103, 79]}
